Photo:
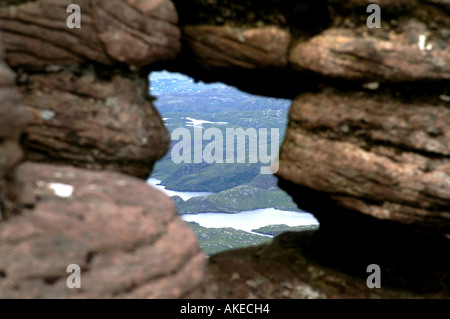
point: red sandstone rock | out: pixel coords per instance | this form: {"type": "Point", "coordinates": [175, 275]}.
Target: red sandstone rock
{"type": "Point", "coordinates": [374, 154]}
{"type": "Point", "coordinates": [94, 123]}
{"type": "Point", "coordinates": [340, 53]}
{"type": "Point", "coordinates": [227, 47]}
{"type": "Point", "coordinates": [125, 236]}
{"type": "Point", "coordinates": [13, 118]}
{"type": "Point", "coordinates": [133, 32]}
{"type": "Point", "coordinates": [374, 168]}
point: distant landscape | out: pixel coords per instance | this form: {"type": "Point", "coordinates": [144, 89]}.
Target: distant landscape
{"type": "Point", "coordinates": [233, 187]}
{"type": "Point", "coordinates": [213, 240]}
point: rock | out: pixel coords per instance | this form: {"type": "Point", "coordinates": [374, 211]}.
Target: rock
{"type": "Point", "coordinates": [246, 44]}
{"type": "Point", "coordinates": [89, 105]}
{"type": "Point", "coordinates": [290, 267]}
{"type": "Point", "coordinates": [125, 236]}
{"type": "Point", "coordinates": [95, 123]}
{"type": "Point", "coordinates": [340, 53]}
{"type": "Point", "coordinates": [398, 5]}
{"type": "Point", "coordinates": [374, 154]}
{"type": "Point", "coordinates": [13, 118]}
{"type": "Point", "coordinates": [441, 2]}
{"type": "Point", "coordinates": [366, 150]}
{"type": "Point", "coordinates": [132, 32]}
{"type": "Point", "coordinates": [250, 58]}
{"type": "Point", "coordinates": [227, 47]}
{"type": "Point", "coordinates": [303, 16]}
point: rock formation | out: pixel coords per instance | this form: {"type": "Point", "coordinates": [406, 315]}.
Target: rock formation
{"type": "Point", "coordinates": [93, 123]}
{"type": "Point", "coordinates": [67, 76]}
{"type": "Point", "coordinates": [126, 237]}
{"type": "Point", "coordinates": [13, 118]}
{"type": "Point", "coordinates": [373, 153]}
{"type": "Point", "coordinates": [88, 106]}
{"type": "Point", "coordinates": [367, 149]}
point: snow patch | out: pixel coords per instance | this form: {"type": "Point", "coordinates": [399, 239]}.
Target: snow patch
{"type": "Point", "coordinates": [194, 122]}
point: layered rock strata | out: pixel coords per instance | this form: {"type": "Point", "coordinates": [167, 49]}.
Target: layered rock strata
{"type": "Point", "coordinates": [366, 149]}
{"type": "Point", "coordinates": [124, 235]}
{"type": "Point", "coordinates": [89, 103]}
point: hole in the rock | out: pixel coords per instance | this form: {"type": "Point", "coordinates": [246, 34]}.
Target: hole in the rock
{"type": "Point", "coordinates": [2, 274]}
{"type": "Point", "coordinates": [217, 169]}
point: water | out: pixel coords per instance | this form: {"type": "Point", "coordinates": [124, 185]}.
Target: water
{"type": "Point", "coordinates": [248, 220]}
{"type": "Point", "coordinates": [245, 220]}
{"type": "Point", "coordinates": [184, 195]}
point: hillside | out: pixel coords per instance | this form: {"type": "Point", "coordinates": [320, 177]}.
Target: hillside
{"type": "Point", "coordinates": [179, 100]}
{"type": "Point", "coordinates": [273, 230]}
{"type": "Point", "coordinates": [237, 199]}
{"type": "Point", "coordinates": [213, 240]}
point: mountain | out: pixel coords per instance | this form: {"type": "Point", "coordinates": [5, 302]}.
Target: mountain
{"type": "Point", "coordinates": [180, 94]}
{"type": "Point", "coordinates": [239, 186]}
{"type": "Point", "coordinates": [237, 199]}
{"type": "Point", "coordinates": [213, 240]}
{"type": "Point", "coordinates": [180, 98]}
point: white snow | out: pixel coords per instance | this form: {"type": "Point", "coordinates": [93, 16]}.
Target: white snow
{"type": "Point", "coordinates": [194, 122]}
{"type": "Point", "coordinates": [184, 195]}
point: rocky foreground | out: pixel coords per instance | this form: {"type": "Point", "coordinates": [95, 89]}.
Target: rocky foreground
{"type": "Point", "coordinates": [367, 148]}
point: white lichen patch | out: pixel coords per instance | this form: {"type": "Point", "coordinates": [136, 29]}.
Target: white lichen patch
{"type": "Point", "coordinates": [111, 101]}
{"type": "Point", "coordinates": [122, 183]}
{"type": "Point", "coordinates": [47, 115]}
{"type": "Point", "coordinates": [305, 291]}
{"type": "Point", "coordinates": [445, 98]}
{"type": "Point", "coordinates": [58, 175]}
{"type": "Point", "coordinates": [61, 190]}
{"type": "Point", "coordinates": [422, 44]}
{"type": "Point", "coordinates": [144, 141]}
{"type": "Point", "coordinates": [241, 37]}
{"type": "Point", "coordinates": [40, 183]}
{"type": "Point", "coordinates": [54, 68]}
{"type": "Point", "coordinates": [371, 85]}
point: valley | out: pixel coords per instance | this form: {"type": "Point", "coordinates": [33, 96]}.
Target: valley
{"type": "Point", "coordinates": [205, 190]}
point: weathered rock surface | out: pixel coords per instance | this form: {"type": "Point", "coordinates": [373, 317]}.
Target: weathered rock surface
{"type": "Point", "coordinates": [408, 56]}
{"type": "Point", "coordinates": [132, 32]}
{"type": "Point", "coordinates": [373, 153]}
{"type": "Point", "coordinates": [227, 47]}
{"type": "Point", "coordinates": [90, 106]}
{"type": "Point", "coordinates": [306, 16]}
{"type": "Point", "coordinates": [246, 43]}
{"type": "Point", "coordinates": [13, 118]}
{"type": "Point", "coordinates": [293, 266]}
{"type": "Point", "coordinates": [93, 122]}
{"type": "Point", "coordinates": [126, 237]}
{"type": "Point", "coordinates": [366, 150]}
{"type": "Point", "coordinates": [367, 147]}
